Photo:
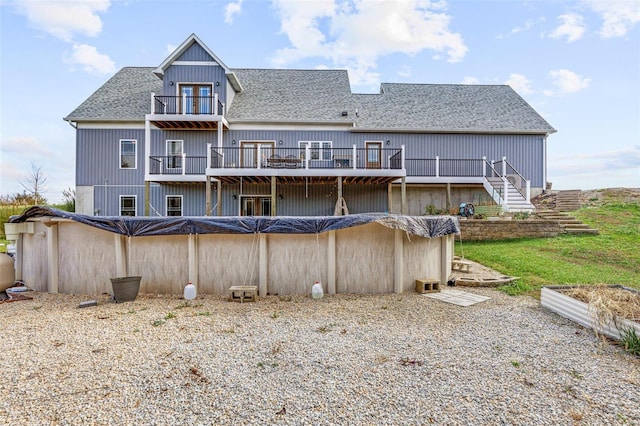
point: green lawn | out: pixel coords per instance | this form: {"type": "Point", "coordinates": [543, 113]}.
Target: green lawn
{"type": "Point", "coordinates": [613, 257]}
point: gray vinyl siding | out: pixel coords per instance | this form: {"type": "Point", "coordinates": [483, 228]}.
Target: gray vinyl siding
{"type": "Point", "coordinates": [195, 74]}
{"type": "Point", "coordinates": [195, 53]}
{"type": "Point", "coordinates": [107, 198]}
{"type": "Point", "coordinates": [98, 157]}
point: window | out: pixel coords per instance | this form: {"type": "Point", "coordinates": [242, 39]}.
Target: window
{"type": "Point", "coordinates": [174, 205]}
{"type": "Point", "coordinates": [127, 205]}
{"type": "Point", "coordinates": [128, 154]}
{"type": "Point", "coordinates": [174, 154]}
{"type": "Point", "coordinates": [320, 150]}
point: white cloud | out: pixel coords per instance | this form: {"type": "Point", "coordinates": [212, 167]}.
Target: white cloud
{"type": "Point", "coordinates": [356, 34]}
{"type": "Point", "coordinates": [171, 48]}
{"type": "Point", "coordinates": [572, 27]}
{"type": "Point", "coordinates": [568, 81]}
{"type": "Point", "coordinates": [618, 16]}
{"type": "Point", "coordinates": [470, 80]}
{"type": "Point", "coordinates": [91, 60]}
{"type": "Point", "coordinates": [64, 19]}
{"type": "Point", "coordinates": [405, 71]}
{"type": "Point", "coordinates": [25, 145]}
{"type": "Point", "coordinates": [519, 83]}
{"type": "Point", "coordinates": [231, 10]}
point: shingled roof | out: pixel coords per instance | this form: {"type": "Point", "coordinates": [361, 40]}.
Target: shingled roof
{"type": "Point", "coordinates": [282, 95]}
{"type": "Point", "coordinates": [321, 96]}
{"type": "Point", "coordinates": [124, 97]}
{"type": "Point", "coordinates": [448, 108]}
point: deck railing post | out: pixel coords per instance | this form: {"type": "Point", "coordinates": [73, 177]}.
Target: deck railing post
{"type": "Point", "coordinates": [402, 156]}
{"type": "Point", "coordinates": [528, 191]}
{"type": "Point", "coordinates": [484, 166]}
{"type": "Point", "coordinates": [505, 195]}
{"type": "Point", "coordinates": [307, 158]}
{"type": "Point", "coordinates": [437, 166]}
{"type": "Point", "coordinates": [215, 105]}
{"type": "Point", "coordinates": [208, 155]}
{"type": "Point", "coordinates": [354, 154]}
{"type": "Point", "coordinates": [259, 158]}
{"type": "Point", "coordinates": [184, 103]}
{"type": "Point", "coordinates": [153, 103]}
{"type": "Point", "coordinates": [222, 160]}
{"type": "Point", "coordinates": [504, 166]}
{"type": "Point", "coordinates": [184, 163]}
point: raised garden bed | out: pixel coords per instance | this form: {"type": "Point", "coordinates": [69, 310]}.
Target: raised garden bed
{"type": "Point", "coordinates": [608, 310]}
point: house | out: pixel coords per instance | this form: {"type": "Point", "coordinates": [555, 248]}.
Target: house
{"type": "Point", "coordinates": [194, 137]}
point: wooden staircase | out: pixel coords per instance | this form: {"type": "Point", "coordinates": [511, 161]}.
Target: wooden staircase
{"type": "Point", "coordinates": [516, 202]}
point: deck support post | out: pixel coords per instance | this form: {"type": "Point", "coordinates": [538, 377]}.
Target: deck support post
{"type": "Point", "coordinates": [403, 190]}
{"type": "Point", "coordinates": [389, 197]}
{"type": "Point", "coordinates": [207, 196]}
{"type": "Point", "coordinates": [219, 197]}
{"type": "Point", "coordinates": [52, 257]}
{"type": "Point", "coordinates": [331, 262]}
{"type": "Point", "coordinates": [273, 196]}
{"type": "Point", "coordinates": [263, 257]}
{"type": "Point", "coordinates": [147, 196]}
{"type": "Point", "coordinates": [448, 197]}
{"type": "Point", "coordinates": [398, 263]}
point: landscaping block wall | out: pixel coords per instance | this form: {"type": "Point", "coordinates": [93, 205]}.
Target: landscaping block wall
{"type": "Point", "coordinates": [479, 230]}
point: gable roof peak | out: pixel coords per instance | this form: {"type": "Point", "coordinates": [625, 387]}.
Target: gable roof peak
{"type": "Point", "coordinates": [192, 39]}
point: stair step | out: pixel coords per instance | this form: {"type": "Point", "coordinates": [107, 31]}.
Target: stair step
{"type": "Point", "coordinates": [589, 231]}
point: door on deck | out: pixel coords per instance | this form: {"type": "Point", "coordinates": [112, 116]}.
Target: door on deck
{"type": "Point", "coordinates": [374, 155]}
{"type": "Point", "coordinates": [256, 206]}
{"type": "Point", "coordinates": [249, 153]}
{"type": "Point", "coordinates": [198, 98]}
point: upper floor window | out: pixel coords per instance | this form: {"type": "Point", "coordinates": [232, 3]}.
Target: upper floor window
{"type": "Point", "coordinates": [127, 205]}
{"type": "Point", "coordinates": [128, 154]}
{"type": "Point", "coordinates": [320, 150]}
{"type": "Point", "coordinates": [174, 154]}
{"type": "Point", "coordinates": [174, 205]}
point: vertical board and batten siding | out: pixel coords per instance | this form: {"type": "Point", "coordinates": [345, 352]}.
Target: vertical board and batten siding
{"type": "Point", "coordinates": [195, 52]}
{"type": "Point", "coordinates": [107, 198]}
{"type": "Point", "coordinates": [206, 74]}
{"type": "Point", "coordinates": [98, 157]}
{"type": "Point", "coordinates": [194, 143]}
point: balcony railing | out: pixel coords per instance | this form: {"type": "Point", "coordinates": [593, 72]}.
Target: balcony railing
{"type": "Point", "coordinates": [186, 105]}
{"type": "Point", "coordinates": [437, 167]}
{"type": "Point", "coordinates": [266, 156]}
{"type": "Point", "coordinates": [177, 165]}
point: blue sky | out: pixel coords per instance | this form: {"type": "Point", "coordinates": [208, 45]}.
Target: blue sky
{"type": "Point", "coordinates": [576, 62]}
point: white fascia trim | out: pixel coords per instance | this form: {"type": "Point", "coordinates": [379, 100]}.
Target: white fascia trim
{"type": "Point", "coordinates": [196, 63]}
{"type": "Point", "coordinates": [451, 131]}
{"type": "Point", "coordinates": [290, 126]}
{"type": "Point", "coordinates": [235, 83]}
{"type": "Point", "coordinates": [111, 125]}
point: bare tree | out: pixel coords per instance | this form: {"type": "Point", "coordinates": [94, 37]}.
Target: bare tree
{"type": "Point", "coordinates": [35, 183]}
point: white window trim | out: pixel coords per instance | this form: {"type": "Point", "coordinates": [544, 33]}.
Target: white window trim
{"type": "Point", "coordinates": [321, 149]}
{"type": "Point", "coordinates": [173, 154]}
{"type": "Point", "coordinates": [166, 204]}
{"type": "Point", "coordinates": [135, 204]}
{"type": "Point", "coordinates": [135, 155]}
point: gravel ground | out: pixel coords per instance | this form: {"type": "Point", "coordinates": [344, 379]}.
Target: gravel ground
{"type": "Point", "coordinates": [343, 360]}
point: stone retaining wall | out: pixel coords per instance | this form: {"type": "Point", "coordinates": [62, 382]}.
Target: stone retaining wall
{"type": "Point", "coordinates": [478, 230]}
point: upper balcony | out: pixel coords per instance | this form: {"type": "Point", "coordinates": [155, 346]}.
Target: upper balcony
{"type": "Point", "coordinates": [257, 163]}
{"type": "Point", "coordinates": [187, 112]}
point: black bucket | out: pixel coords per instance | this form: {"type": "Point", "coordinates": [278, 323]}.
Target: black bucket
{"type": "Point", "coordinates": [125, 289]}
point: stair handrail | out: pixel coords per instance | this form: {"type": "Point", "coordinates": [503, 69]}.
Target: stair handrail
{"type": "Point", "coordinates": [527, 190]}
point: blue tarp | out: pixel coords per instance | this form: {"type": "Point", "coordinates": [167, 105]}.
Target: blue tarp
{"type": "Point", "coordinates": [136, 226]}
